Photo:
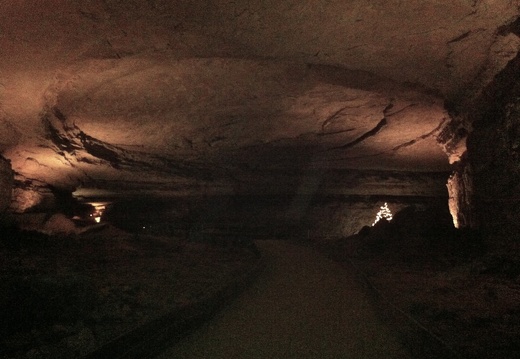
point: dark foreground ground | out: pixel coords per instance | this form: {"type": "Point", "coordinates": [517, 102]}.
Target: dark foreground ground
{"type": "Point", "coordinates": [445, 293]}
{"type": "Point", "coordinates": [302, 306]}
{"type": "Point", "coordinates": [67, 297]}
{"type": "Point", "coordinates": [449, 293]}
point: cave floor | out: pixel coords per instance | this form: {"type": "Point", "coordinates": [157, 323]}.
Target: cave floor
{"type": "Point", "coordinates": [303, 305]}
{"type": "Point", "coordinates": [66, 297]}
{"type": "Point", "coordinates": [442, 297]}
{"type": "Point", "coordinates": [448, 299]}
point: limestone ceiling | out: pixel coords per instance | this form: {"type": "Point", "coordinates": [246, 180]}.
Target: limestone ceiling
{"type": "Point", "coordinates": [151, 91]}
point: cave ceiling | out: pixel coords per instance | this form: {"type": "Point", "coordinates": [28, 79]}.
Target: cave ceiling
{"type": "Point", "coordinates": [184, 95]}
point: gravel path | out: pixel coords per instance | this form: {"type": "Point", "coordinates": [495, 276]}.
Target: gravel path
{"type": "Point", "coordinates": [303, 306]}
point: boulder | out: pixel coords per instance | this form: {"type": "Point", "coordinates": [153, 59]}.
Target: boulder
{"type": "Point", "coordinates": [59, 224]}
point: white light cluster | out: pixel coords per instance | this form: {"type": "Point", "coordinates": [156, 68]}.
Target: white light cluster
{"type": "Point", "coordinates": [384, 212]}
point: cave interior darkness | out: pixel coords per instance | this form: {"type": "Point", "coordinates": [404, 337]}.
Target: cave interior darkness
{"type": "Point", "coordinates": [295, 119]}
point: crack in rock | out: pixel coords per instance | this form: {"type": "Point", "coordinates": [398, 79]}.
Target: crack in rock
{"type": "Point", "coordinates": [370, 133]}
{"type": "Point", "coordinates": [336, 132]}
{"type": "Point", "coordinates": [332, 118]}
{"type": "Point", "coordinates": [459, 38]}
{"type": "Point", "coordinates": [38, 163]}
{"type": "Point", "coordinates": [388, 115]}
{"type": "Point", "coordinates": [364, 136]}
{"type": "Point", "coordinates": [450, 59]}
{"type": "Point", "coordinates": [420, 138]}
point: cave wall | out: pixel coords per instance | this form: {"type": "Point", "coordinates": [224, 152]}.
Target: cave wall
{"type": "Point", "coordinates": [460, 189]}
{"type": "Point", "coordinates": [347, 200]}
{"type": "Point", "coordinates": [174, 98]}
{"type": "Point", "coordinates": [321, 205]}
{"type": "Point", "coordinates": [6, 185]}
{"type": "Point", "coordinates": [331, 218]}
{"type": "Point", "coordinates": [494, 154]}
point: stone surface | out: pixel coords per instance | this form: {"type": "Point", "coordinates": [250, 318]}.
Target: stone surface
{"type": "Point", "coordinates": [59, 224]}
{"type": "Point", "coordinates": [116, 98]}
{"type": "Point", "coordinates": [493, 154]}
{"type": "Point", "coordinates": [6, 185]}
{"type": "Point", "coordinates": [460, 189]}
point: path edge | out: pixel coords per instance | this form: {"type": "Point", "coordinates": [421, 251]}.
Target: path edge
{"type": "Point", "coordinates": [149, 339]}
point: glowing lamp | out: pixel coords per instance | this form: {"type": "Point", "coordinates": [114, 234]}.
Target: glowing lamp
{"type": "Point", "coordinates": [385, 213]}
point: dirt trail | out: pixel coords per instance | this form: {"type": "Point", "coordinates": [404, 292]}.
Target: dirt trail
{"type": "Point", "coordinates": [303, 306]}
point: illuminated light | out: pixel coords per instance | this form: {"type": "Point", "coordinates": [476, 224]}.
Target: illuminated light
{"type": "Point", "coordinates": [385, 213]}
{"type": "Point", "coordinates": [99, 208]}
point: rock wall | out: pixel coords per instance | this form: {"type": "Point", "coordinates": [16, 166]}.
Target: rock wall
{"type": "Point", "coordinates": [6, 184]}
{"type": "Point", "coordinates": [346, 201]}
{"type": "Point", "coordinates": [31, 196]}
{"type": "Point", "coordinates": [460, 189]}
{"type": "Point", "coordinates": [494, 154]}
{"type": "Point", "coordinates": [337, 218]}
{"type": "Point", "coordinates": [313, 205]}
{"type": "Point", "coordinates": [332, 218]}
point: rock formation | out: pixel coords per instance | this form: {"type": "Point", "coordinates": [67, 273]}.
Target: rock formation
{"type": "Point", "coordinates": [6, 185]}
{"type": "Point", "coordinates": [493, 154]}
{"type": "Point", "coordinates": [295, 99]}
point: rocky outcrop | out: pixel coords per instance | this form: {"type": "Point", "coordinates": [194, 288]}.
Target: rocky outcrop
{"type": "Point", "coordinates": [494, 153]}
{"type": "Point", "coordinates": [29, 195]}
{"type": "Point", "coordinates": [461, 196]}
{"type": "Point", "coordinates": [336, 211]}
{"type": "Point", "coordinates": [6, 185]}
{"type": "Point", "coordinates": [453, 139]}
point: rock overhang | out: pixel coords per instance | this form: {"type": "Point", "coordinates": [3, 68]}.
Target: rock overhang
{"type": "Point", "coordinates": [150, 117]}
{"type": "Point", "coordinates": [182, 97]}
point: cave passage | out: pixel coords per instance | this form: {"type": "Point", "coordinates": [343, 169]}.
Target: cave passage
{"type": "Point", "coordinates": [302, 306]}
